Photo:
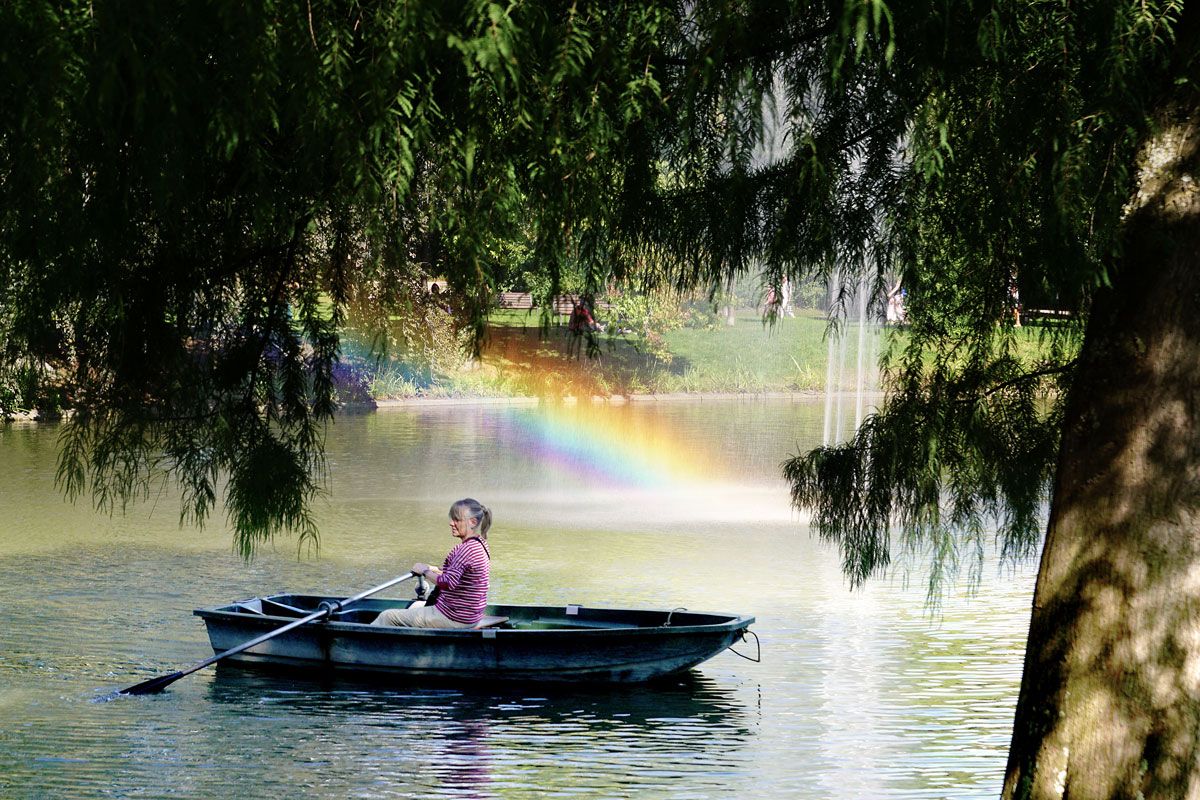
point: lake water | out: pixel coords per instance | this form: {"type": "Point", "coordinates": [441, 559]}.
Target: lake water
{"type": "Point", "coordinates": [859, 694]}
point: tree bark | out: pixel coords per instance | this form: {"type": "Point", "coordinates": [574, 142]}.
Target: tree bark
{"type": "Point", "coordinates": [1110, 698]}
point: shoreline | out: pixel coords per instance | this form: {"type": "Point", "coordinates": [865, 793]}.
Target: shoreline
{"type": "Point", "coordinates": [616, 399]}
{"type": "Point", "coordinates": [805, 396]}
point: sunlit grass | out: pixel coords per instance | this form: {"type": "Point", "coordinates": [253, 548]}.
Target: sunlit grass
{"type": "Point", "coordinates": [521, 358]}
{"type": "Point", "coordinates": [749, 356]}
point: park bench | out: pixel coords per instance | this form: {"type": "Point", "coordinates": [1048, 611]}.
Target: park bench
{"type": "Point", "coordinates": [564, 304]}
{"type": "Point", "coordinates": [523, 301]}
{"type": "Point", "coordinates": [1036, 314]}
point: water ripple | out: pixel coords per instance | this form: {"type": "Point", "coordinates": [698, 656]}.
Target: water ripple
{"type": "Point", "coordinates": [858, 695]}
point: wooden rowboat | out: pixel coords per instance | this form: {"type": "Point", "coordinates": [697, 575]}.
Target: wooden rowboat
{"type": "Point", "coordinates": [514, 643]}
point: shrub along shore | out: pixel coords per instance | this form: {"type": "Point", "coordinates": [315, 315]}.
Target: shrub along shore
{"type": "Point", "coordinates": [524, 361]}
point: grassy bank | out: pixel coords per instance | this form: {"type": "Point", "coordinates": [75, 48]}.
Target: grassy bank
{"type": "Point", "coordinates": [521, 358]}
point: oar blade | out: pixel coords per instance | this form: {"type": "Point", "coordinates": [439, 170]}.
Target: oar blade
{"type": "Point", "coordinates": [154, 685]}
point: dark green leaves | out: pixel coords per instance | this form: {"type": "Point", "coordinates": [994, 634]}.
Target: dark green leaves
{"type": "Point", "coordinates": [192, 196]}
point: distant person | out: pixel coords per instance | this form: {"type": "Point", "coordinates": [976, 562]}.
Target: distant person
{"type": "Point", "coordinates": [582, 320]}
{"type": "Point", "coordinates": [462, 582]}
{"type": "Point", "coordinates": [771, 302]}
{"type": "Point", "coordinates": [1014, 299]}
{"type": "Point", "coordinates": [895, 311]}
{"type": "Point", "coordinates": [785, 296]}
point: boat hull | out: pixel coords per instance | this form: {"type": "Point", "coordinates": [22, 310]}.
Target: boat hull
{"type": "Point", "coordinates": [535, 644]}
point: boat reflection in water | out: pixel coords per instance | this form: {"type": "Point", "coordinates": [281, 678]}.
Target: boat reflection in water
{"type": "Point", "coordinates": [483, 739]}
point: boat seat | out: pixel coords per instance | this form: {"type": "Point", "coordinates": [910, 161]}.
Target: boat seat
{"type": "Point", "coordinates": [300, 612]}
{"type": "Point", "coordinates": [491, 622]}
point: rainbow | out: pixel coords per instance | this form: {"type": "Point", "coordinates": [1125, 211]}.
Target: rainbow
{"type": "Point", "coordinates": [610, 446]}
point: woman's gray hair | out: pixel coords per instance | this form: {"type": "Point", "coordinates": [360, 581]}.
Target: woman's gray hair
{"type": "Point", "coordinates": [468, 508]}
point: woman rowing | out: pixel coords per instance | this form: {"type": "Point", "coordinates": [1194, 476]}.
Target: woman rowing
{"type": "Point", "coordinates": [462, 582]}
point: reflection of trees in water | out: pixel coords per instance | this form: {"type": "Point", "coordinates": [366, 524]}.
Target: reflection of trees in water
{"type": "Point", "coordinates": [472, 742]}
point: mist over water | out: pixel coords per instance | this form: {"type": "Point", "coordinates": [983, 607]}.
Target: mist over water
{"type": "Point", "coordinates": [858, 695]}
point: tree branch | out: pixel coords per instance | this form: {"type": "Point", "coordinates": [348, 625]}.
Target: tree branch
{"type": "Point", "coordinates": [1041, 373]}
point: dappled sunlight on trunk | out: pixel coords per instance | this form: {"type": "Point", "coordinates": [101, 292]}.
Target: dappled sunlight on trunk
{"type": "Point", "coordinates": [1108, 702]}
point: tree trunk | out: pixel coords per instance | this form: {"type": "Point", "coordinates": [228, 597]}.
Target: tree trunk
{"type": "Point", "coordinates": [1110, 698]}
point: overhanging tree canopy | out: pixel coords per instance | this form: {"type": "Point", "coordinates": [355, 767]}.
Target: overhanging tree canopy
{"type": "Point", "coordinates": [191, 197]}
{"type": "Point", "coordinates": [180, 189]}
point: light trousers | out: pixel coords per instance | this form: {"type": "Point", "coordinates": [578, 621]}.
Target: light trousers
{"type": "Point", "coordinates": [422, 617]}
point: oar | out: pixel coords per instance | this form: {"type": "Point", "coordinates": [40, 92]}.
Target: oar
{"type": "Point", "coordinates": [327, 609]}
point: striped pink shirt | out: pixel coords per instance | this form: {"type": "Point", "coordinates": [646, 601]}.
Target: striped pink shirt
{"type": "Point", "coordinates": [463, 584]}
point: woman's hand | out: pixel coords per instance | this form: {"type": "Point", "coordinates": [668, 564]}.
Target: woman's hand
{"type": "Point", "coordinates": [425, 570]}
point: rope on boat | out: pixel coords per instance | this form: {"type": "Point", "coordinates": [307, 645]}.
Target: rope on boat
{"type": "Point", "coordinates": [667, 624]}
{"type": "Point", "coordinates": [757, 659]}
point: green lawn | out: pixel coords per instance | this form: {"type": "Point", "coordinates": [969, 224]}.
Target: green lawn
{"type": "Point", "coordinates": [750, 356]}
{"type": "Point", "coordinates": [521, 358]}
